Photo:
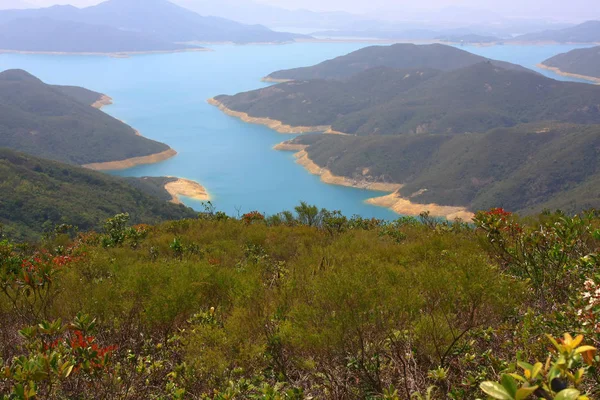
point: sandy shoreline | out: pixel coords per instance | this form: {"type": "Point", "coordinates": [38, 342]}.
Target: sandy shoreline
{"type": "Point", "coordinates": [187, 188]}
{"type": "Point", "coordinates": [393, 201]}
{"type": "Point", "coordinates": [569, 74]}
{"type": "Point", "coordinates": [132, 162]}
{"type": "Point", "coordinates": [268, 79]}
{"type": "Point", "coordinates": [122, 54]}
{"type": "Point", "coordinates": [268, 122]}
{"type": "Point", "coordinates": [404, 206]}
{"type": "Point", "coordinates": [327, 176]}
{"type": "Point", "coordinates": [104, 100]}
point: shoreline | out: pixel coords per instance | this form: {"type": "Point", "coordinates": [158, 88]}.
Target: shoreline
{"type": "Point", "coordinates": [402, 205]}
{"type": "Point", "coordinates": [186, 188]}
{"type": "Point", "coordinates": [268, 79]}
{"type": "Point", "coordinates": [393, 201]}
{"type": "Point", "coordinates": [569, 74]}
{"type": "Point", "coordinates": [104, 100]}
{"type": "Point", "coordinates": [116, 54]}
{"type": "Point", "coordinates": [327, 176]}
{"type": "Point", "coordinates": [278, 126]}
{"type": "Point", "coordinates": [132, 162]}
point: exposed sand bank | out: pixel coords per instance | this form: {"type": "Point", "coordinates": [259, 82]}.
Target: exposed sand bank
{"type": "Point", "coordinates": [404, 206]}
{"type": "Point", "coordinates": [570, 75]}
{"type": "Point", "coordinates": [271, 123]}
{"type": "Point", "coordinates": [287, 146]}
{"type": "Point", "coordinates": [275, 80]}
{"type": "Point", "coordinates": [104, 100]}
{"type": "Point", "coordinates": [132, 162]}
{"type": "Point", "coordinates": [119, 54]}
{"type": "Point", "coordinates": [186, 188]}
{"type": "Point", "coordinates": [328, 177]}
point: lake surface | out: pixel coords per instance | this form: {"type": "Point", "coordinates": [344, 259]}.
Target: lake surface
{"type": "Point", "coordinates": [164, 97]}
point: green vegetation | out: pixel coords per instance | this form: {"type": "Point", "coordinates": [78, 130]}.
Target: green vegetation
{"type": "Point", "coordinates": [401, 56]}
{"type": "Point", "coordinates": [584, 62]}
{"type": "Point", "coordinates": [36, 195]}
{"type": "Point", "coordinates": [305, 305]}
{"type": "Point", "coordinates": [58, 123]}
{"type": "Point", "coordinates": [524, 169]}
{"type": "Point", "coordinates": [386, 101]}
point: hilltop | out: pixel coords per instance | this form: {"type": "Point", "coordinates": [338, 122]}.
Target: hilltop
{"type": "Point", "coordinates": [583, 63]}
{"type": "Point", "coordinates": [380, 101]}
{"type": "Point", "coordinates": [37, 194]}
{"type": "Point", "coordinates": [60, 124]}
{"type": "Point", "coordinates": [587, 32]}
{"type": "Point", "coordinates": [48, 35]}
{"type": "Point", "coordinates": [401, 56]}
{"type": "Point", "coordinates": [155, 23]}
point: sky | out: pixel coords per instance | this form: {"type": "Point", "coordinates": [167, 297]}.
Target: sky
{"type": "Point", "coordinates": [556, 9]}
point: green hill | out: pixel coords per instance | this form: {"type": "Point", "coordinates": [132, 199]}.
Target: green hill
{"type": "Point", "coordinates": [526, 168]}
{"type": "Point", "coordinates": [386, 101]}
{"type": "Point", "coordinates": [37, 195]}
{"type": "Point", "coordinates": [585, 62]}
{"type": "Point", "coordinates": [58, 123]}
{"type": "Point", "coordinates": [402, 56]}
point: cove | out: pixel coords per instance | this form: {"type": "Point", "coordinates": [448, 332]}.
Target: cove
{"type": "Point", "coordinates": [164, 97]}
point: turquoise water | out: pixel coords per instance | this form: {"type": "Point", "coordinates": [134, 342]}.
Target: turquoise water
{"type": "Point", "coordinates": [164, 97]}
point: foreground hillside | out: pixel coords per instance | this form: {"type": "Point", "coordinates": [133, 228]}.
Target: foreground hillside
{"type": "Point", "coordinates": [37, 195]}
{"type": "Point", "coordinates": [583, 63]}
{"type": "Point", "coordinates": [59, 123]}
{"type": "Point", "coordinates": [402, 56]}
{"type": "Point", "coordinates": [305, 305]}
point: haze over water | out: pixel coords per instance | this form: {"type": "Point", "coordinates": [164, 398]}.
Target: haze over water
{"type": "Point", "coordinates": [164, 97]}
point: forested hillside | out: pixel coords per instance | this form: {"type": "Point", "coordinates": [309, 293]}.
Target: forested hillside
{"type": "Point", "coordinates": [58, 123]}
{"type": "Point", "coordinates": [395, 101]}
{"type": "Point", "coordinates": [402, 56]}
{"type": "Point", "coordinates": [36, 195]}
{"type": "Point", "coordinates": [526, 168]}
{"type": "Point", "coordinates": [584, 62]}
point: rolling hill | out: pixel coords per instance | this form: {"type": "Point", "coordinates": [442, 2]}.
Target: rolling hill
{"type": "Point", "coordinates": [403, 55]}
{"type": "Point", "coordinates": [580, 62]}
{"type": "Point", "coordinates": [384, 101]}
{"type": "Point", "coordinates": [158, 20]}
{"type": "Point", "coordinates": [587, 32]}
{"type": "Point", "coordinates": [38, 194]}
{"type": "Point", "coordinates": [58, 123]}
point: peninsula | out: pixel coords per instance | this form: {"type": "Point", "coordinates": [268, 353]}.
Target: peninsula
{"type": "Point", "coordinates": [580, 63]}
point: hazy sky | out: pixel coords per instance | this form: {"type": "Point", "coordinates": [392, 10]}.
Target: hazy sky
{"type": "Point", "coordinates": [559, 9]}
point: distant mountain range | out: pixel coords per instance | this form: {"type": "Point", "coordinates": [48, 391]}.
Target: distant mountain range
{"type": "Point", "coordinates": [587, 32]}
{"type": "Point", "coordinates": [453, 128]}
{"type": "Point", "coordinates": [123, 25]}
{"type": "Point", "coordinates": [49, 35]}
{"type": "Point", "coordinates": [58, 123]}
{"type": "Point", "coordinates": [580, 62]}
